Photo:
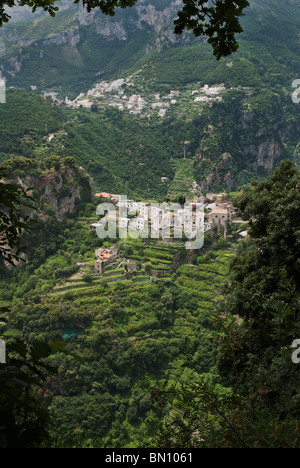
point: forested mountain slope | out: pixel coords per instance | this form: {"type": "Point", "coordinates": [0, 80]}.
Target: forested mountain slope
{"type": "Point", "coordinates": [77, 47]}
{"type": "Point", "coordinates": [231, 142]}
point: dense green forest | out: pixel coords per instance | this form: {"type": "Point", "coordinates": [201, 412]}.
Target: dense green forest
{"type": "Point", "coordinates": [125, 154]}
{"type": "Point", "coordinates": [209, 335]}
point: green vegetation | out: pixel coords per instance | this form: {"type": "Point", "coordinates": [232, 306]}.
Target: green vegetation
{"type": "Point", "coordinates": [183, 179]}
{"type": "Point", "coordinates": [126, 331]}
{"type": "Point", "coordinates": [145, 335]}
{"type": "Point", "coordinates": [14, 200]}
{"type": "Point", "coordinates": [258, 321]}
{"type": "Point", "coordinates": [122, 155]}
{"type": "Point", "coordinates": [24, 120]}
{"type": "Point", "coordinates": [134, 323]}
{"type": "Point", "coordinates": [126, 155]}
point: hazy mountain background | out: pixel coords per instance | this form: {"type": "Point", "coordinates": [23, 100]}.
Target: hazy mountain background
{"type": "Point", "coordinates": [74, 49]}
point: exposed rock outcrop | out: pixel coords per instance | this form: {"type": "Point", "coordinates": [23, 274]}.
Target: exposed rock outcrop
{"type": "Point", "coordinates": [111, 30]}
{"type": "Point", "coordinates": [143, 16]}
{"type": "Point", "coordinates": [267, 153]}
{"type": "Point", "coordinates": [61, 190]}
{"type": "Point", "coordinates": [154, 18]}
{"type": "Point", "coordinates": [70, 37]}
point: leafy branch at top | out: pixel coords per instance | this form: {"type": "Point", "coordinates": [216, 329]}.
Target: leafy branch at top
{"type": "Point", "coordinates": [218, 20]}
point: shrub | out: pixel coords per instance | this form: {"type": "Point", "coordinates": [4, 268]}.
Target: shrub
{"type": "Point", "coordinates": [88, 277]}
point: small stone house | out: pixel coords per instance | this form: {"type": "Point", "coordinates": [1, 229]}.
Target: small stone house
{"type": "Point", "coordinates": [220, 217]}
{"type": "Point", "coordinates": [104, 257]}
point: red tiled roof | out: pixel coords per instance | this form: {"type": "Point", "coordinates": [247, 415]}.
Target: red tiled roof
{"type": "Point", "coordinates": [105, 255]}
{"type": "Point", "coordinates": [106, 195]}
{"type": "Point", "coordinates": [219, 211]}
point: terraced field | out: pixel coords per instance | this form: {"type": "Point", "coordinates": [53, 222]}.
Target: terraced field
{"type": "Point", "coordinates": [127, 326]}
{"type": "Point", "coordinates": [139, 261]}
{"type": "Point", "coordinates": [148, 260]}
{"type": "Point", "coordinates": [154, 256]}
{"type": "Point", "coordinates": [205, 279]}
{"type": "Point", "coordinates": [107, 295]}
{"type": "Point", "coordinates": [95, 300]}
{"type": "Point", "coordinates": [182, 183]}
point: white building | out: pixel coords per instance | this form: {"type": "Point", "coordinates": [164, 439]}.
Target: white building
{"type": "Point", "coordinates": [85, 103]}
{"type": "Point", "coordinates": [162, 112]}
{"type": "Point", "coordinates": [130, 205]}
{"type": "Point", "coordinates": [144, 209]}
{"type": "Point", "coordinates": [202, 99]}
{"type": "Point", "coordinates": [123, 223]}
{"type": "Point", "coordinates": [141, 224]}
{"type": "Point", "coordinates": [220, 217]}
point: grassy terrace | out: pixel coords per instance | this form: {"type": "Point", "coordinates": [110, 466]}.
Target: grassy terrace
{"type": "Point", "coordinates": [130, 327]}
{"type": "Point", "coordinates": [155, 256]}
{"type": "Point", "coordinates": [184, 178]}
{"type": "Point", "coordinates": [144, 258]}
{"type": "Point", "coordinates": [206, 278]}
{"type": "Point", "coordinates": [75, 302]}
{"type": "Point", "coordinates": [148, 261]}
{"type": "Point", "coordinates": [151, 258]}
{"type": "Point", "coordinates": [96, 301]}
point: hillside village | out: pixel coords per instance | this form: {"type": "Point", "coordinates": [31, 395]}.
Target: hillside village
{"type": "Point", "coordinates": [146, 220]}
{"type": "Point", "coordinates": [121, 94]}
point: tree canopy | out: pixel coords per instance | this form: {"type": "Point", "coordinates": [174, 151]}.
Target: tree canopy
{"type": "Point", "coordinates": [218, 20]}
{"type": "Point", "coordinates": [12, 221]}
{"type": "Point", "coordinates": [257, 322]}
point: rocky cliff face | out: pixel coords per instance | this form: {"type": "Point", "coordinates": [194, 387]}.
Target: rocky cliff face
{"type": "Point", "coordinates": [249, 146]}
{"type": "Point", "coordinates": [14, 43]}
{"type": "Point", "coordinates": [143, 16]}
{"type": "Point", "coordinates": [217, 173]}
{"type": "Point", "coordinates": [266, 154]}
{"type": "Point", "coordinates": [268, 146]}
{"type": "Point", "coordinates": [56, 193]}
{"type": "Point", "coordinates": [155, 18]}
{"type": "Point", "coordinates": [60, 190]}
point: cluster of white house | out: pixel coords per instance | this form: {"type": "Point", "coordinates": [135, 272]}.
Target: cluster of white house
{"type": "Point", "coordinates": [209, 93]}
{"type": "Point", "coordinates": [114, 95]}
{"type": "Point", "coordinates": [168, 219]}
